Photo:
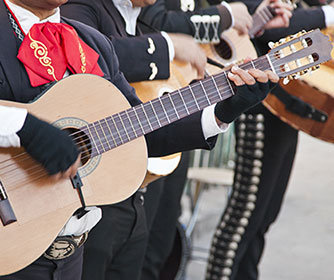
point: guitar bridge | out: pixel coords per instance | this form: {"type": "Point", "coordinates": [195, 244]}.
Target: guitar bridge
{"type": "Point", "coordinates": [7, 214]}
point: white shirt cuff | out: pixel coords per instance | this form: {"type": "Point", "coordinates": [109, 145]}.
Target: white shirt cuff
{"type": "Point", "coordinates": [171, 50]}
{"type": "Point", "coordinates": [209, 124]}
{"type": "Point", "coordinates": [228, 7]}
{"type": "Point", "coordinates": [11, 121]}
{"type": "Point", "coordinates": [329, 14]}
{"type": "Point", "coordinates": [76, 227]}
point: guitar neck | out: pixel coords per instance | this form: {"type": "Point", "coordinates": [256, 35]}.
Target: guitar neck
{"type": "Point", "coordinates": [260, 19]}
{"type": "Point", "coordinates": [142, 119]}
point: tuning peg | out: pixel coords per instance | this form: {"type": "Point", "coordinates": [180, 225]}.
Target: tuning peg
{"type": "Point", "coordinates": [286, 80]}
{"type": "Point", "coordinates": [271, 45]}
{"type": "Point", "coordinates": [315, 67]}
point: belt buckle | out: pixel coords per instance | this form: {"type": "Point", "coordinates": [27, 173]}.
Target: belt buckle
{"type": "Point", "coordinates": [65, 246]}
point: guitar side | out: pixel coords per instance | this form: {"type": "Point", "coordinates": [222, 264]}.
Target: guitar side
{"type": "Point", "coordinates": [42, 206]}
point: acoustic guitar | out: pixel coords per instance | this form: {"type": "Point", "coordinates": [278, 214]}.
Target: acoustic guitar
{"type": "Point", "coordinates": [114, 162]}
{"type": "Point", "coordinates": [316, 90]}
{"type": "Point", "coordinates": [232, 47]}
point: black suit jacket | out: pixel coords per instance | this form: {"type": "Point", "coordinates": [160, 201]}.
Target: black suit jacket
{"type": "Point", "coordinates": [167, 15]}
{"type": "Point", "coordinates": [182, 135]}
{"type": "Point", "coordinates": [132, 51]}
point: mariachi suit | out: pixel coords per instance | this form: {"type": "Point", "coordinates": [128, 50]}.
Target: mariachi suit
{"type": "Point", "coordinates": [167, 191]}
{"type": "Point", "coordinates": [15, 86]}
{"type": "Point", "coordinates": [138, 55]}
{"type": "Point", "coordinates": [265, 151]}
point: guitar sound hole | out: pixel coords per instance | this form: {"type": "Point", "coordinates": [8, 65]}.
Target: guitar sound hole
{"type": "Point", "coordinates": [223, 49]}
{"type": "Point", "coordinates": [83, 143]}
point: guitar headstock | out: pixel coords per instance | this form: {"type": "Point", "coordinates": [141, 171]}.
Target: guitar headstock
{"type": "Point", "coordinates": [299, 54]}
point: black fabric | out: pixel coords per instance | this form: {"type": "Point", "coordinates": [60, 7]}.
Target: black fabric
{"type": "Point", "coordinates": [50, 146]}
{"type": "Point", "coordinates": [116, 245]}
{"type": "Point", "coordinates": [280, 143]}
{"type": "Point", "coordinates": [167, 16]}
{"type": "Point", "coordinates": [245, 97]}
{"type": "Point", "coordinates": [45, 269]}
{"type": "Point", "coordinates": [163, 208]}
{"type": "Point", "coordinates": [132, 51]}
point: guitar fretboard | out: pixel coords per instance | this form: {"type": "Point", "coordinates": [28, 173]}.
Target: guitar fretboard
{"type": "Point", "coordinates": [142, 119]}
{"type": "Point", "coordinates": [260, 19]}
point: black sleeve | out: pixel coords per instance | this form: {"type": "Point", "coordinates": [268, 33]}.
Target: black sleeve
{"type": "Point", "coordinates": [136, 62]}
{"type": "Point", "coordinates": [134, 59]}
{"type": "Point", "coordinates": [159, 17]}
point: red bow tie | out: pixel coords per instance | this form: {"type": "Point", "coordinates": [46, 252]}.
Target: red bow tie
{"type": "Point", "coordinates": [51, 48]}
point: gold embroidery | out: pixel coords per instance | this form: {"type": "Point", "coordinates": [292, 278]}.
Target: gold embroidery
{"type": "Point", "coordinates": [83, 59]}
{"type": "Point", "coordinates": [40, 52]}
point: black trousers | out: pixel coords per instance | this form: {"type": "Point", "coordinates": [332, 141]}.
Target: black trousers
{"type": "Point", "coordinates": [116, 245]}
{"type": "Point", "coordinates": [262, 173]}
{"type": "Point", "coordinates": [45, 269]}
{"type": "Point", "coordinates": [163, 208]}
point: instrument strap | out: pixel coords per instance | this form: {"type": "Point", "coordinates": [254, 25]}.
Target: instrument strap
{"type": "Point", "coordinates": [299, 107]}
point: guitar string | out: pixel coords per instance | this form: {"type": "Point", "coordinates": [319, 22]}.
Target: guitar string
{"type": "Point", "coordinates": [101, 143]}
{"type": "Point", "coordinates": [178, 106]}
{"type": "Point", "coordinates": [123, 134]}
{"type": "Point", "coordinates": [208, 91]}
{"type": "Point", "coordinates": [182, 89]}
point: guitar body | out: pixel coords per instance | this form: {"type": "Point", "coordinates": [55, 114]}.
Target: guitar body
{"type": "Point", "coordinates": [232, 48]}
{"type": "Point", "coordinates": [146, 91]}
{"type": "Point", "coordinates": [42, 206]}
{"type": "Point", "coordinates": [316, 89]}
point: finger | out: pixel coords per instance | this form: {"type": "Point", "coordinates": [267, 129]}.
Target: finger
{"type": "Point", "coordinates": [259, 75]}
{"type": "Point", "coordinates": [282, 12]}
{"type": "Point", "coordinates": [244, 75]}
{"type": "Point", "coordinates": [247, 59]}
{"type": "Point", "coordinates": [272, 76]}
{"type": "Point", "coordinates": [236, 79]}
{"type": "Point", "coordinates": [282, 5]}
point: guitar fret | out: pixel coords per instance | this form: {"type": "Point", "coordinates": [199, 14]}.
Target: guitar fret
{"type": "Point", "coordinates": [268, 13]}
{"type": "Point", "coordinates": [93, 138]}
{"type": "Point", "coordinates": [101, 136]}
{"type": "Point", "coordinates": [252, 64]}
{"type": "Point", "coordinates": [163, 107]}
{"type": "Point", "coordinates": [216, 85]}
{"type": "Point", "coordinates": [207, 98]}
{"type": "Point", "coordinates": [131, 124]}
{"type": "Point", "coordinates": [105, 135]}
{"type": "Point", "coordinates": [118, 132]}
{"type": "Point", "coordinates": [140, 125]}
{"type": "Point", "coordinates": [124, 127]}
{"type": "Point", "coordinates": [185, 105]}
{"type": "Point", "coordinates": [229, 83]}
{"type": "Point", "coordinates": [172, 102]}
{"type": "Point", "coordinates": [192, 93]}
{"type": "Point", "coordinates": [111, 134]}
{"type": "Point", "coordinates": [169, 108]}
{"type": "Point", "coordinates": [263, 16]}
{"type": "Point", "coordinates": [155, 113]}
{"type": "Point", "coordinates": [148, 120]}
